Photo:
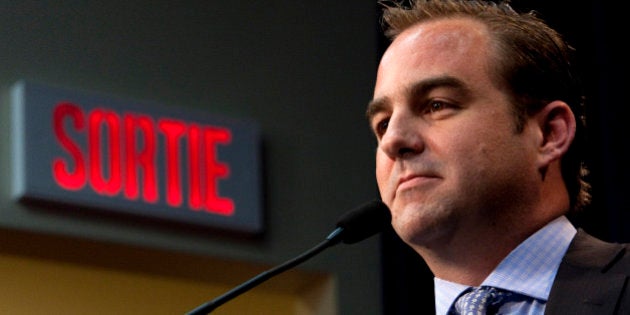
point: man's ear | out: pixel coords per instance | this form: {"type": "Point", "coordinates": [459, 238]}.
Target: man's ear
{"type": "Point", "coordinates": [557, 125]}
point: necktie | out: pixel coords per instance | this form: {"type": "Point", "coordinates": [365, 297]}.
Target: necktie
{"type": "Point", "coordinates": [480, 301]}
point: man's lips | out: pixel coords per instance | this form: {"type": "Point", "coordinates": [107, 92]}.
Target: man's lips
{"type": "Point", "coordinates": [414, 181]}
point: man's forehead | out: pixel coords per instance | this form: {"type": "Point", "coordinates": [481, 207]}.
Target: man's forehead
{"type": "Point", "coordinates": [444, 32]}
{"type": "Point", "coordinates": [435, 48]}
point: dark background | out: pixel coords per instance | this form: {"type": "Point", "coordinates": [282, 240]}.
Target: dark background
{"type": "Point", "coordinates": [596, 30]}
{"type": "Point", "coordinates": [304, 70]}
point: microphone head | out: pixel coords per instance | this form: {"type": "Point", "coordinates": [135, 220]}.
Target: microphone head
{"type": "Point", "coordinates": [364, 221]}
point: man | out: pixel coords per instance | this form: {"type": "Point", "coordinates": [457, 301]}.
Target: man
{"type": "Point", "coordinates": [477, 114]}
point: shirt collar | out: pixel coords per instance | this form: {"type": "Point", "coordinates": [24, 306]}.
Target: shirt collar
{"type": "Point", "coordinates": [529, 269]}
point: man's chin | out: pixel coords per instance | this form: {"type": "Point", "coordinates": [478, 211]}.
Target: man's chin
{"type": "Point", "coordinates": [419, 222]}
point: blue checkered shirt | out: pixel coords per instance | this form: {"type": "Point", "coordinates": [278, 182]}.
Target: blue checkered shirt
{"type": "Point", "coordinates": [529, 270]}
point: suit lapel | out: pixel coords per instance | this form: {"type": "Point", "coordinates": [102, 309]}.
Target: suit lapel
{"type": "Point", "coordinates": [583, 285]}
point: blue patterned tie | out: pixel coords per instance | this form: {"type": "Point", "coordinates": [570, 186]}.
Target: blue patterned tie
{"type": "Point", "coordinates": [480, 301]}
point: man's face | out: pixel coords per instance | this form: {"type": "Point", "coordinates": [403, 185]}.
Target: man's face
{"type": "Point", "coordinates": [449, 159]}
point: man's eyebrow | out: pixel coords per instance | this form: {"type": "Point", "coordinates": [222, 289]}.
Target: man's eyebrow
{"type": "Point", "coordinates": [425, 86]}
{"type": "Point", "coordinates": [376, 106]}
{"type": "Point", "coordinates": [419, 88]}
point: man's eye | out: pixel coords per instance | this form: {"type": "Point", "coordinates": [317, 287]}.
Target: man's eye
{"type": "Point", "coordinates": [381, 127]}
{"type": "Point", "coordinates": [435, 106]}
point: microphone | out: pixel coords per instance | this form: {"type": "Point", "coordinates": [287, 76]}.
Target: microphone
{"type": "Point", "coordinates": [354, 226]}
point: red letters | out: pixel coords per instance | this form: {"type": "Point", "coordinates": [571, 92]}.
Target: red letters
{"type": "Point", "coordinates": [173, 131]}
{"type": "Point", "coordinates": [139, 128]}
{"type": "Point", "coordinates": [202, 144]}
{"type": "Point", "coordinates": [104, 165]}
{"type": "Point", "coordinates": [123, 149]}
{"type": "Point", "coordinates": [65, 178]}
{"type": "Point", "coordinates": [215, 170]}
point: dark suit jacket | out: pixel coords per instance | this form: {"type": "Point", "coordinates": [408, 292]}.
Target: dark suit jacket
{"type": "Point", "coordinates": [593, 279]}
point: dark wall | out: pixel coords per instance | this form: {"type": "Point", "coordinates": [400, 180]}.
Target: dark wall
{"type": "Point", "coordinates": [303, 70]}
{"type": "Point", "coordinates": [589, 27]}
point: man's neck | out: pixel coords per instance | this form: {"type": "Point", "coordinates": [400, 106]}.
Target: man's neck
{"type": "Point", "coordinates": [470, 256]}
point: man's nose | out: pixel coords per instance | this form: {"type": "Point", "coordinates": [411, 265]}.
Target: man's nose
{"type": "Point", "coordinates": [402, 137]}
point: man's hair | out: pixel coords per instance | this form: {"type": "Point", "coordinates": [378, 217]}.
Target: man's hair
{"type": "Point", "coordinates": [533, 64]}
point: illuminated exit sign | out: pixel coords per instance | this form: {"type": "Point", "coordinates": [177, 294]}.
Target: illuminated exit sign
{"type": "Point", "coordinates": [86, 151]}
